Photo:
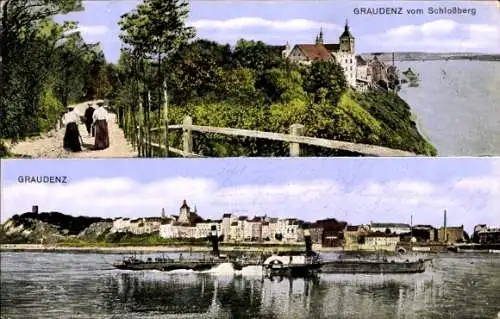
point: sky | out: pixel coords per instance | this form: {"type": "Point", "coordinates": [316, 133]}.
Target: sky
{"type": "Point", "coordinates": [276, 22]}
{"type": "Point", "coordinates": [357, 190]}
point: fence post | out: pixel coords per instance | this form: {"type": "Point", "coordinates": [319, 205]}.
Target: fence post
{"type": "Point", "coordinates": [187, 136]}
{"type": "Point", "coordinates": [296, 130]}
{"type": "Point", "coordinates": [140, 116]}
{"type": "Point", "coordinates": [165, 118]}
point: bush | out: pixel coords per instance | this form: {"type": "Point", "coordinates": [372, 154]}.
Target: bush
{"type": "Point", "coordinates": [50, 111]}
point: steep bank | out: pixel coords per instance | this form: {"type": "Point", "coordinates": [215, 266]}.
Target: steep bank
{"type": "Point", "coordinates": [378, 118]}
{"type": "Point", "coordinates": [386, 119]}
{"type": "Point", "coordinates": [51, 228]}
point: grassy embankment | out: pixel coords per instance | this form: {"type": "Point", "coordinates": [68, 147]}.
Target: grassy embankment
{"type": "Point", "coordinates": [124, 240]}
{"type": "Point", "coordinates": [379, 118]}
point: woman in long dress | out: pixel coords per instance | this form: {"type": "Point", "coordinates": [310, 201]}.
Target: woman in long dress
{"type": "Point", "coordinates": [71, 140]}
{"type": "Point", "coordinates": [100, 118]}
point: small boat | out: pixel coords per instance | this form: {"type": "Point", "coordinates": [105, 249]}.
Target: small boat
{"type": "Point", "coordinates": [168, 264]}
{"type": "Point", "coordinates": [352, 266]}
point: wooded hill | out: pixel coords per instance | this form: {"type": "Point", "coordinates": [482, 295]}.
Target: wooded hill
{"type": "Point", "coordinates": [46, 65]}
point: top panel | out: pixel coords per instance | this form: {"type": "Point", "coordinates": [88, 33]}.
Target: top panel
{"type": "Point", "coordinates": [107, 79]}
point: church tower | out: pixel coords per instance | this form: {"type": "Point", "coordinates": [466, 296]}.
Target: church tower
{"type": "Point", "coordinates": [184, 213]}
{"type": "Point", "coordinates": [319, 38]}
{"type": "Point", "coordinates": [346, 40]}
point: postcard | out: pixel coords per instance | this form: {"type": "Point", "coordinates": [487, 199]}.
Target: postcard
{"type": "Point", "coordinates": [108, 79]}
{"type": "Point", "coordinates": [251, 238]}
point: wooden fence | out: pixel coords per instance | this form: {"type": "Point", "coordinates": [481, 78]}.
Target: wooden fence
{"type": "Point", "coordinates": [295, 139]}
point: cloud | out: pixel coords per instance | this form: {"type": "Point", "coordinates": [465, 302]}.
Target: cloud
{"type": "Point", "coordinates": [255, 22]}
{"type": "Point", "coordinates": [93, 30]}
{"type": "Point", "coordinates": [439, 35]}
{"type": "Point", "coordinates": [490, 185]}
{"type": "Point", "coordinates": [310, 200]}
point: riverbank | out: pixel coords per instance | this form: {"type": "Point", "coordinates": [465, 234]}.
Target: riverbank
{"type": "Point", "coordinates": [141, 249]}
{"type": "Point", "coordinates": [204, 249]}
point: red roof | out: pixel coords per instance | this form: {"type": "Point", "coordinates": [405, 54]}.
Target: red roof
{"type": "Point", "coordinates": [315, 52]}
{"type": "Point", "coordinates": [332, 47]}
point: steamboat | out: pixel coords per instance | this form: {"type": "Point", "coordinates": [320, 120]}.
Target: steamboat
{"type": "Point", "coordinates": [279, 264]}
{"type": "Point", "coordinates": [294, 264]}
{"type": "Point", "coordinates": [311, 263]}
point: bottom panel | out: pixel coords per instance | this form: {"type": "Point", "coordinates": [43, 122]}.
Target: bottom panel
{"type": "Point", "coordinates": [256, 238]}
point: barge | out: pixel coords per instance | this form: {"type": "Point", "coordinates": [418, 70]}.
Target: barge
{"type": "Point", "coordinates": [168, 264]}
{"type": "Point", "coordinates": [374, 267]}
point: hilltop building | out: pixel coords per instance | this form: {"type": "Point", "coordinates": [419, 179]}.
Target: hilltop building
{"type": "Point", "coordinates": [360, 73]}
{"type": "Point", "coordinates": [343, 52]}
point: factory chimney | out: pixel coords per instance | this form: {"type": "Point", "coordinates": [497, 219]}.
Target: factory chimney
{"type": "Point", "coordinates": [445, 230]}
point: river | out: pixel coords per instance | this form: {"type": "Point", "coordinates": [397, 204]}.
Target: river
{"type": "Point", "coordinates": [457, 105]}
{"type": "Point", "coordinates": [58, 285]}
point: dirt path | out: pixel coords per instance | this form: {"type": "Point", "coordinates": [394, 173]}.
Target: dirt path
{"type": "Point", "coordinates": [50, 145]}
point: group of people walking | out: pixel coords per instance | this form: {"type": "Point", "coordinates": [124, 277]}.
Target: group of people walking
{"type": "Point", "coordinates": [96, 123]}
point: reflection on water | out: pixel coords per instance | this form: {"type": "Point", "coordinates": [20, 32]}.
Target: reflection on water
{"type": "Point", "coordinates": [84, 286]}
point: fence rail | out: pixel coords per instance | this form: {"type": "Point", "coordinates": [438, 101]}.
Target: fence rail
{"type": "Point", "coordinates": [295, 139]}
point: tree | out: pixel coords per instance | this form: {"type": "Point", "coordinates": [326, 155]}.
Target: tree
{"type": "Point", "coordinates": [155, 30]}
{"type": "Point", "coordinates": [282, 85]}
{"type": "Point", "coordinates": [255, 55]}
{"type": "Point", "coordinates": [325, 75]}
{"type": "Point", "coordinates": [28, 40]}
{"type": "Point", "coordinates": [195, 70]}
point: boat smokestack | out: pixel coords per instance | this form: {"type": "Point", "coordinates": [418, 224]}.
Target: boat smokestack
{"type": "Point", "coordinates": [214, 237]}
{"type": "Point", "coordinates": [308, 240]}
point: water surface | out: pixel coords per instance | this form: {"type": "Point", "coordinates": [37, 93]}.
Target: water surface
{"type": "Point", "coordinates": [457, 105]}
{"type": "Point", "coordinates": [50, 285]}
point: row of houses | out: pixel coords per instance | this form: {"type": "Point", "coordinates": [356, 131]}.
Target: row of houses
{"type": "Point", "coordinates": [328, 232]}
{"type": "Point", "coordinates": [360, 73]}
{"type": "Point", "coordinates": [188, 224]}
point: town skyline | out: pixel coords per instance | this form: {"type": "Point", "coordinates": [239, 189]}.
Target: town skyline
{"type": "Point", "coordinates": [353, 190]}
{"type": "Point", "coordinates": [300, 21]}
{"type": "Point", "coordinates": [174, 216]}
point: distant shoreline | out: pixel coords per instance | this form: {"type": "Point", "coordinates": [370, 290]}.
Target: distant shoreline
{"type": "Point", "coordinates": [433, 56]}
